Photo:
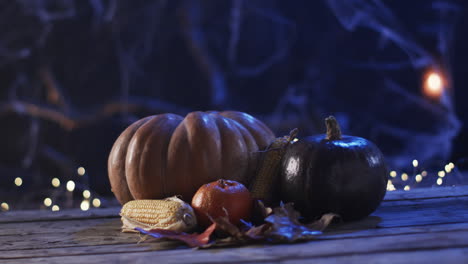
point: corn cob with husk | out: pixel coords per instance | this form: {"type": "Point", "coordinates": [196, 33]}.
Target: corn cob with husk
{"type": "Point", "coordinates": [263, 185]}
{"type": "Point", "coordinates": [171, 213]}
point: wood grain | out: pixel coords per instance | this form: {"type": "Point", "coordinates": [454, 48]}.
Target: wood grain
{"type": "Point", "coordinates": [310, 250]}
{"type": "Point", "coordinates": [427, 193]}
{"type": "Point", "coordinates": [102, 245]}
{"type": "Point", "coordinates": [427, 226]}
{"type": "Point", "coordinates": [68, 214]}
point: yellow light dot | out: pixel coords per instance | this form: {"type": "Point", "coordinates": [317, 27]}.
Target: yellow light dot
{"type": "Point", "coordinates": [415, 163]}
{"type": "Point", "coordinates": [55, 208]}
{"type": "Point", "coordinates": [447, 168]}
{"type": "Point", "coordinates": [393, 174]}
{"type": "Point", "coordinates": [440, 181]}
{"type": "Point", "coordinates": [96, 202]}
{"type": "Point", "coordinates": [424, 173]}
{"type": "Point", "coordinates": [86, 194]}
{"type": "Point", "coordinates": [70, 186]}
{"type": "Point", "coordinates": [55, 182]}
{"type": "Point", "coordinates": [47, 202]}
{"type": "Point", "coordinates": [441, 173]}
{"type": "Point", "coordinates": [390, 186]}
{"type": "Point", "coordinates": [451, 165]}
{"type": "Point", "coordinates": [5, 206]}
{"type": "Point", "coordinates": [407, 188]}
{"type": "Point", "coordinates": [18, 181]}
{"type": "Point", "coordinates": [295, 140]}
{"type": "Point", "coordinates": [84, 205]}
{"type": "Point", "coordinates": [404, 177]}
{"type": "Point", "coordinates": [418, 178]}
{"type": "Point", "coordinates": [81, 171]}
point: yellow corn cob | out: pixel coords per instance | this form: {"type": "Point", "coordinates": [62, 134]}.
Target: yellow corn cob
{"type": "Point", "coordinates": [262, 187]}
{"type": "Point", "coordinates": [171, 213]}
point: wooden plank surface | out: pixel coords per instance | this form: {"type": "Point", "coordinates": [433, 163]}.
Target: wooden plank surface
{"type": "Point", "coordinates": [70, 245]}
{"type": "Point", "coordinates": [423, 193]}
{"type": "Point", "coordinates": [310, 250]}
{"type": "Point", "coordinates": [67, 214]}
{"type": "Point", "coordinates": [428, 222]}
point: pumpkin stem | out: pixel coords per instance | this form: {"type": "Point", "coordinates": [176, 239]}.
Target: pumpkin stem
{"type": "Point", "coordinates": [333, 128]}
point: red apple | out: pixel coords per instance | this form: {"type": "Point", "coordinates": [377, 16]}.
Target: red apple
{"type": "Point", "coordinates": [222, 197]}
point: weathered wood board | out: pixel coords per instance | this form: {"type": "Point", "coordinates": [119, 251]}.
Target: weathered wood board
{"type": "Point", "coordinates": [419, 226]}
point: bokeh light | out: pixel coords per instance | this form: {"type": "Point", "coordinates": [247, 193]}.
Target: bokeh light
{"type": "Point", "coordinates": [84, 205]}
{"type": "Point", "coordinates": [5, 206]}
{"type": "Point", "coordinates": [96, 202]}
{"type": "Point", "coordinates": [81, 171]}
{"type": "Point", "coordinates": [18, 181]}
{"type": "Point", "coordinates": [70, 186]}
{"type": "Point", "coordinates": [47, 202]}
{"type": "Point", "coordinates": [86, 194]}
{"type": "Point", "coordinates": [434, 84]}
{"type": "Point", "coordinates": [55, 182]}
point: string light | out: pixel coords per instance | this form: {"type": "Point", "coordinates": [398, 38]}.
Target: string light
{"type": "Point", "coordinates": [390, 186]}
{"type": "Point", "coordinates": [70, 186]}
{"type": "Point", "coordinates": [96, 202]}
{"type": "Point", "coordinates": [440, 181]}
{"type": "Point", "coordinates": [441, 174]}
{"type": "Point", "coordinates": [5, 207]}
{"type": "Point", "coordinates": [47, 202]}
{"type": "Point", "coordinates": [18, 181]}
{"type": "Point", "coordinates": [393, 174]}
{"type": "Point", "coordinates": [447, 168]}
{"type": "Point", "coordinates": [84, 205]}
{"type": "Point", "coordinates": [424, 173]}
{"type": "Point", "coordinates": [407, 188]}
{"type": "Point", "coordinates": [81, 171]}
{"type": "Point", "coordinates": [86, 194]}
{"type": "Point", "coordinates": [415, 163]}
{"type": "Point", "coordinates": [55, 182]}
{"type": "Point", "coordinates": [404, 177]}
{"type": "Point", "coordinates": [55, 208]}
{"type": "Point", "coordinates": [418, 178]}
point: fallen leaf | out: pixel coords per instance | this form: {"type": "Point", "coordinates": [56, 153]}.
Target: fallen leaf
{"type": "Point", "coordinates": [285, 225]}
{"type": "Point", "coordinates": [323, 222]}
{"type": "Point", "coordinates": [192, 240]}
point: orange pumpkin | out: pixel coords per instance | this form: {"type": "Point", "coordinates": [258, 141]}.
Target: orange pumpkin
{"type": "Point", "coordinates": [166, 155]}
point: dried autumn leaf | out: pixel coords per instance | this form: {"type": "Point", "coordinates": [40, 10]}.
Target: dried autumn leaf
{"type": "Point", "coordinates": [258, 232]}
{"type": "Point", "coordinates": [192, 240]}
{"type": "Point", "coordinates": [285, 225]}
{"type": "Point", "coordinates": [223, 224]}
{"type": "Point", "coordinates": [323, 222]}
{"type": "Point", "coordinates": [281, 226]}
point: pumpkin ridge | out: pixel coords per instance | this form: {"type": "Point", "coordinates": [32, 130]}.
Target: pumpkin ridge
{"type": "Point", "coordinates": [116, 162]}
{"type": "Point", "coordinates": [172, 169]}
{"type": "Point", "coordinates": [153, 171]}
{"type": "Point", "coordinates": [164, 179]}
{"type": "Point", "coordinates": [262, 134]}
{"type": "Point", "coordinates": [139, 142]}
{"type": "Point", "coordinates": [234, 149]}
{"type": "Point", "coordinates": [205, 139]}
{"type": "Point", "coordinates": [252, 149]}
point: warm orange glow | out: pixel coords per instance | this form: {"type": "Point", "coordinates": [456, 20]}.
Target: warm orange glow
{"type": "Point", "coordinates": [434, 84]}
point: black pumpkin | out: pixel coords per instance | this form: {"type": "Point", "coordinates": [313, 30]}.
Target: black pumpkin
{"type": "Point", "coordinates": [345, 175]}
